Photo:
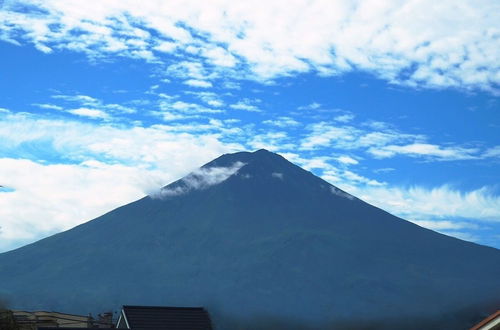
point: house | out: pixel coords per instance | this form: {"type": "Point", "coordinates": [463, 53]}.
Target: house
{"type": "Point", "coordinates": [24, 320]}
{"type": "Point", "coordinates": [492, 322]}
{"type": "Point", "coordinates": [164, 318]}
{"type": "Point", "coordinates": [33, 320]}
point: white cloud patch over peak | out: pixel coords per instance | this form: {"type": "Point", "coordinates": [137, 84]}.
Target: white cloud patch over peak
{"type": "Point", "coordinates": [202, 178]}
{"type": "Point", "coordinates": [391, 39]}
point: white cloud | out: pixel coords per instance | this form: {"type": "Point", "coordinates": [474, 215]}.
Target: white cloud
{"type": "Point", "coordinates": [384, 170]}
{"type": "Point", "coordinates": [382, 141]}
{"type": "Point", "coordinates": [441, 225]}
{"type": "Point", "coordinates": [425, 149]}
{"type": "Point", "coordinates": [198, 83]}
{"type": "Point", "coordinates": [462, 235]}
{"type": "Point", "coordinates": [357, 179]}
{"type": "Point", "coordinates": [209, 98]}
{"type": "Point", "coordinates": [392, 39]}
{"type": "Point", "coordinates": [202, 178]}
{"type": "Point", "coordinates": [51, 198]}
{"type": "Point", "coordinates": [91, 113]}
{"type": "Point", "coordinates": [347, 160]}
{"type": "Point", "coordinates": [344, 118]}
{"type": "Point", "coordinates": [78, 98]}
{"type": "Point", "coordinates": [308, 163]}
{"type": "Point", "coordinates": [89, 102]}
{"type": "Point", "coordinates": [311, 106]}
{"type": "Point", "coordinates": [272, 141]}
{"type": "Point", "coordinates": [48, 106]}
{"type": "Point", "coordinates": [493, 152]}
{"type": "Point", "coordinates": [283, 122]}
{"type": "Point", "coordinates": [323, 134]}
{"type": "Point", "coordinates": [189, 70]}
{"type": "Point", "coordinates": [220, 57]}
{"type": "Point", "coordinates": [186, 108]}
{"type": "Point", "coordinates": [432, 203]}
{"type": "Point", "coordinates": [245, 105]}
{"type": "Point", "coordinates": [171, 109]}
{"type": "Point", "coordinates": [166, 47]}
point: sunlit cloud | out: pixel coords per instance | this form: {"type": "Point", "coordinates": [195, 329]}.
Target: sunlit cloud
{"type": "Point", "coordinates": [391, 40]}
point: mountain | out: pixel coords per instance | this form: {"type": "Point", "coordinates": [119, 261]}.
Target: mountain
{"type": "Point", "coordinates": [261, 243]}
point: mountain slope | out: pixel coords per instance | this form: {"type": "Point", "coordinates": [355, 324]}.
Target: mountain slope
{"type": "Point", "coordinates": [252, 236]}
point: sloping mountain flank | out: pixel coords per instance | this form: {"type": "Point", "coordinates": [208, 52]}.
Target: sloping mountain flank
{"type": "Point", "coordinates": [261, 244]}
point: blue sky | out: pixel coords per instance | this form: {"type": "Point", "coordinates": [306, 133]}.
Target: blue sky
{"type": "Point", "coordinates": [395, 102]}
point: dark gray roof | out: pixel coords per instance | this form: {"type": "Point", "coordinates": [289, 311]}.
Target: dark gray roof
{"type": "Point", "coordinates": [167, 318]}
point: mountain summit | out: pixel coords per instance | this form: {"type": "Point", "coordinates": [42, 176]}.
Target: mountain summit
{"type": "Point", "coordinates": [261, 243]}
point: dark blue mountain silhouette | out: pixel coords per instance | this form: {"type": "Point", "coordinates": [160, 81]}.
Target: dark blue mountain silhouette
{"type": "Point", "coordinates": [264, 244]}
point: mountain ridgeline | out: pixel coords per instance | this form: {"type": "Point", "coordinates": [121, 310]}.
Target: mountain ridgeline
{"type": "Point", "coordinates": [262, 244]}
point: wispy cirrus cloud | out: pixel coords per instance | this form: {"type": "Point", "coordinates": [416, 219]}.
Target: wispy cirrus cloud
{"type": "Point", "coordinates": [436, 203]}
{"type": "Point", "coordinates": [425, 150]}
{"type": "Point", "coordinates": [171, 109]}
{"type": "Point", "coordinates": [48, 106]}
{"type": "Point", "coordinates": [445, 224]}
{"type": "Point", "coordinates": [380, 140]}
{"type": "Point", "coordinates": [209, 98]}
{"type": "Point", "coordinates": [282, 121]}
{"type": "Point", "coordinates": [86, 106]}
{"type": "Point", "coordinates": [90, 113]}
{"type": "Point", "coordinates": [344, 118]}
{"type": "Point", "coordinates": [391, 40]}
{"type": "Point", "coordinates": [245, 105]}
